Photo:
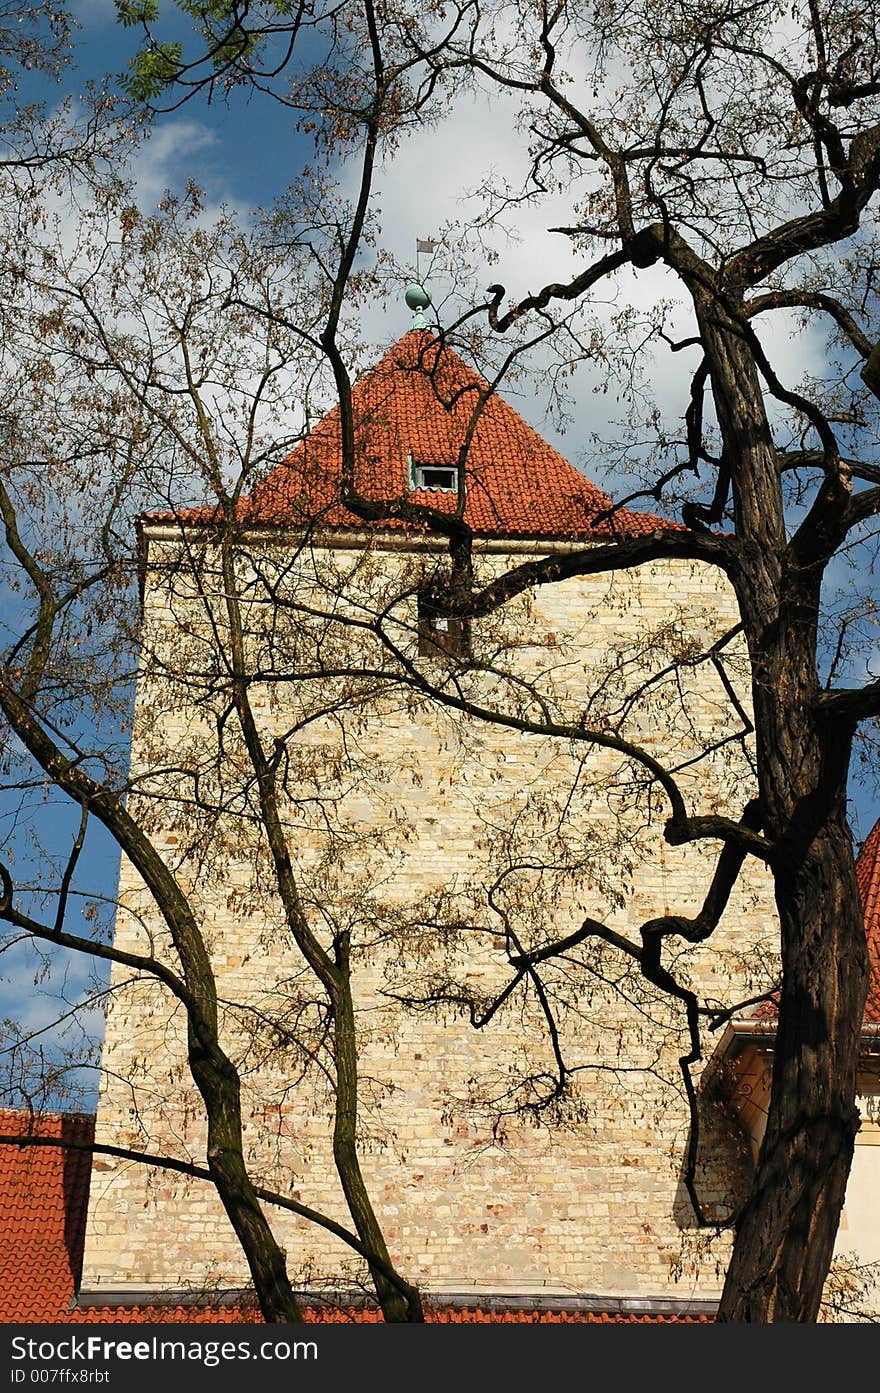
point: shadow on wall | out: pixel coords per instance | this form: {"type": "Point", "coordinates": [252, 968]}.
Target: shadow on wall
{"type": "Point", "coordinates": [724, 1168]}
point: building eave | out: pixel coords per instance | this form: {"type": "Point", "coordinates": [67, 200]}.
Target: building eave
{"type": "Point", "coordinates": [348, 539]}
{"type": "Point", "coordinates": [742, 1030]}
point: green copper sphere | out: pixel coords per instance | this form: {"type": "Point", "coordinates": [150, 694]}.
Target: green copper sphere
{"type": "Point", "coordinates": [417, 297]}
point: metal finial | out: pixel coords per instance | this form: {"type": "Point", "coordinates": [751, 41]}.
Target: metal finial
{"type": "Point", "coordinates": [418, 298]}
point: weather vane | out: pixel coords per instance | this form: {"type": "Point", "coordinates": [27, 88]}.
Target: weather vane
{"type": "Point", "coordinates": [427, 246]}
{"type": "Point", "coordinates": [418, 295]}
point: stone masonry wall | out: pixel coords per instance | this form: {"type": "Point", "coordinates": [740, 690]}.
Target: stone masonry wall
{"type": "Point", "coordinates": [402, 815]}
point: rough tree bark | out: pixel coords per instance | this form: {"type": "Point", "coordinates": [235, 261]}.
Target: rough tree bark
{"type": "Point", "coordinates": [785, 1235]}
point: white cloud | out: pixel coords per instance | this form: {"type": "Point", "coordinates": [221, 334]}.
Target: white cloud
{"type": "Point", "coordinates": [58, 1023]}
{"type": "Point", "coordinates": [168, 158]}
{"type": "Point", "coordinates": [429, 182]}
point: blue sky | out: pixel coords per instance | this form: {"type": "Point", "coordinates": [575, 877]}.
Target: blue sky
{"type": "Point", "coordinates": [237, 149]}
{"type": "Point", "coordinates": [244, 153]}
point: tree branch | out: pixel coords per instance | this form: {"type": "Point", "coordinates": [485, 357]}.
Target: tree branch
{"type": "Point", "coordinates": [56, 935]}
{"type": "Point", "coordinates": [675, 544]}
{"type": "Point", "coordinates": [817, 300]}
{"type": "Point", "coordinates": [817, 229]}
{"type": "Point", "coordinates": [851, 704]}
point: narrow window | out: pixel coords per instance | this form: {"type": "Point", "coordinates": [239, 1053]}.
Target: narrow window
{"type": "Point", "coordinates": [442, 635]}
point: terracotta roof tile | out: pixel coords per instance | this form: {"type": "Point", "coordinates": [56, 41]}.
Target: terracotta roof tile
{"type": "Point", "coordinates": [868, 875]}
{"type": "Point", "coordinates": [332, 1315]}
{"type": "Point", "coordinates": [417, 402]}
{"type": "Point", "coordinates": [43, 1196]}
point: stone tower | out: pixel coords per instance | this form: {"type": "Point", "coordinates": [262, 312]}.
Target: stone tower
{"type": "Point", "coordinates": [445, 806]}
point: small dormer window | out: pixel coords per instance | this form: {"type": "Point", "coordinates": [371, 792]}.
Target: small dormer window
{"type": "Point", "coordinates": [442, 478]}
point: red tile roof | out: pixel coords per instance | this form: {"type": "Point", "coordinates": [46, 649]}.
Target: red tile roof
{"type": "Point", "coordinates": [335, 1315]}
{"type": "Point", "coordinates": [43, 1200]}
{"type": "Point", "coordinates": [43, 1195]}
{"type": "Point", "coordinates": [417, 402]}
{"type": "Point", "coordinates": [868, 876]}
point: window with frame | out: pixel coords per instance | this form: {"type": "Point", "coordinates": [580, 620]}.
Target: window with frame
{"type": "Point", "coordinates": [436, 478]}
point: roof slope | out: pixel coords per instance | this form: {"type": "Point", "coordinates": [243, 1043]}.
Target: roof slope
{"type": "Point", "coordinates": [44, 1191]}
{"type": "Point", "coordinates": [868, 876]}
{"type": "Point", "coordinates": [417, 403]}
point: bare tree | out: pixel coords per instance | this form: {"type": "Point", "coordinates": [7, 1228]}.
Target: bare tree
{"type": "Point", "coordinates": [134, 376]}
{"type": "Point", "coordinates": [737, 148]}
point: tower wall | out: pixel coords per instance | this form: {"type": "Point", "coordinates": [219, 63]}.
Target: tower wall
{"type": "Point", "coordinates": [440, 840]}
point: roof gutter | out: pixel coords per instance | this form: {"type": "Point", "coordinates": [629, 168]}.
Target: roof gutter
{"type": "Point", "coordinates": [387, 540]}
{"type": "Point", "coordinates": [741, 1030]}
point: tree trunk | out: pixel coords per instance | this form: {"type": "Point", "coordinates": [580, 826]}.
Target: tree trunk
{"type": "Point", "coordinates": [213, 1073]}
{"type": "Point", "coordinates": [399, 1301]}
{"type": "Point", "coordinates": [785, 1236]}
{"type": "Point", "coordinates": [217, 1081]}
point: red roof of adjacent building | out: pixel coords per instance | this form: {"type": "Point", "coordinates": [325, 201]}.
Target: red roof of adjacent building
{"type": "Point", "coordinates": [868, 876]}
{"type": "Point", "coordinates": [416, 405]}
{"type": "Point", "coordinates": [43, 1195]}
